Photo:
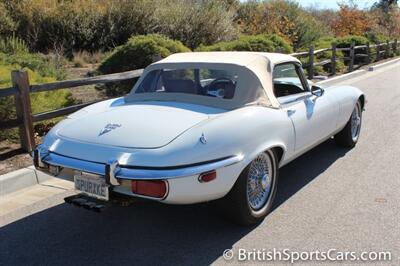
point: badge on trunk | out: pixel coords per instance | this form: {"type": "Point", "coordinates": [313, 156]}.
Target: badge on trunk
{"type": "Point", "coordinates": [108, 128]}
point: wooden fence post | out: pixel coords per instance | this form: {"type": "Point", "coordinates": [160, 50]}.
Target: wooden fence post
{"type": "Point", "coordinates": [333, 59]}
{"type": "Point", "coordinates": [20, 81]}
{"type": "Point", "coordinates": [311, 63]}
{"type": "Point", "coordinates": [368, 50]}
{"type": "Point", "coordinates": [395, 47]}
{"type": "Point", "coordinates": [378, 52]}
{"type": "Point", "coordinates": [351, 55]}
{"type": "Point", "coordinates": [387, 52]}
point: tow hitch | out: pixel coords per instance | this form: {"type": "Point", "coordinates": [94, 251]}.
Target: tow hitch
{"type": "Point", "coordinates": [86, 202]}
{"type": "Point", "coordinates": [93, 204]}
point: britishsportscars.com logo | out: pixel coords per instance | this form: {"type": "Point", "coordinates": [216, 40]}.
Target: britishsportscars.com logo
{"type": "Point", "coordinates": [291, 256]}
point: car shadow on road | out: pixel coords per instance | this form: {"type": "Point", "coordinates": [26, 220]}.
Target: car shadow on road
{"type": "Point", "coordinates": [304, 169]}
{"type": "Point", "coordinates": [146, 233]}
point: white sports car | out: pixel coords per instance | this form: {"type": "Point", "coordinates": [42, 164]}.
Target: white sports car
{"type": "Point", "coordinates": [199, 127]}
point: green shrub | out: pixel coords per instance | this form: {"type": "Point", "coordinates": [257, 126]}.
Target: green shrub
{"type": "Point", "coordinates": [346, 41]}
{"type": "Point", "coordinates": [280, 43]}
{"type": "Point", "coordinates": [13, 45]}
{"type": "Point", "coordinates": [258, 43]}
{"type": "Point", "coordinates": [324, 42]}
{"type": "Point", "coordinates": [196, 22]}
{"type": "Point", "coordinates": [376, 38]}
{"type": "Point", "coordinates": [7, 24]}
{"type": "Point", "coordinates": [137, 53]}
{"type": "Point", "coordinates": [36, 62]}
{"type": "Point", "coordinates": [39, 71]}
{"type": "Point", "coordinates": [244, 43]}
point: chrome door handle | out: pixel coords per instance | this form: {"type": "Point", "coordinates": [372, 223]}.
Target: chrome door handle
{"type": "Point", "coordinates": [290, 112]}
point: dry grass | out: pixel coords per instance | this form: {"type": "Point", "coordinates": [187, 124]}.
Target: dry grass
{"type": "Point", "coordinates": [12, 157]}
{"type": "Point", "coordinates": [83, 58]}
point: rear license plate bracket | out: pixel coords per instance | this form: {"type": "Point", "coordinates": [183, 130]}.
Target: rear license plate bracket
{"type": "Point", "coordinates": [92, 185]}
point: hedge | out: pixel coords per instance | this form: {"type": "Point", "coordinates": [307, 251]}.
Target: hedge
{"type": "Point", "coordinates": [256, 43]}
{"type": "Point", "coordinates": [137, 53]}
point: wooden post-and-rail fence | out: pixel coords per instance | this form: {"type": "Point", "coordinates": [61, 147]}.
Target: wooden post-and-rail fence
{"type": "Point", "coordinates": [351, 55]}
{"type": "Point", "coordinates": [21, 89]}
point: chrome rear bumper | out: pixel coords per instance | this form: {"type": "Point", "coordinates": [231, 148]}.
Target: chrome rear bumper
{"type": "Point", "coordinates": [45, 160]}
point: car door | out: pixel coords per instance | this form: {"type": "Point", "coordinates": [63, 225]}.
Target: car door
{"type": "Point", "coordinates": [314, 115]}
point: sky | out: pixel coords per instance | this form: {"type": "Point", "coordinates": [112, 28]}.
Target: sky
{"type": "Point", "coordinates": [333, 3]}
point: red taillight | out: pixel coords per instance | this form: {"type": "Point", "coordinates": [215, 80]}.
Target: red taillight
{"type": "Point", "coordinates": [152, 188]}
{"type": "Point", "coordinates": [207, 177]}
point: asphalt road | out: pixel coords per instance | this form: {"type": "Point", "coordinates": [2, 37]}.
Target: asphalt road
{"type": "Point", "coordinates": [330, 198]}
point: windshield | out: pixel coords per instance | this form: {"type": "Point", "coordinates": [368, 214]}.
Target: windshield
{"type": "Point", "coordinates": [204, 81]}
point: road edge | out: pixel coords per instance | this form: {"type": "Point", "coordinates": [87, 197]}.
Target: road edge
{"type": "Point", "coordinates": [357, 73]}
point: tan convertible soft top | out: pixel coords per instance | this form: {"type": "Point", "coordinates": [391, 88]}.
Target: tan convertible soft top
{"type": "Point", "coordinates": [254, 85]}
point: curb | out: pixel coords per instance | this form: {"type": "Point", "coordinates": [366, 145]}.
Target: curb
{"type": "Point", "coordinates": [343, 77]}
{"type": "Point", "coordinates": [356, 73]}
{"type": "Point", "coordinates": [20, 179]}
{"type": "Point", "coordinates": [378, 66]}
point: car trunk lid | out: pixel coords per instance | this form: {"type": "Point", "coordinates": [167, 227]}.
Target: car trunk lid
{"type": "Point", "coordinates": [134, 126]}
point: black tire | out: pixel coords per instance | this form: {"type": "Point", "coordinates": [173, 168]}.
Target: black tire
{"type": "Point", "coordinates": [236, 203]}
{"type": "Point", "coordinates": [345, 137]}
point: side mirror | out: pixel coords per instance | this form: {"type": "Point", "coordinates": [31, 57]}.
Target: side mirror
{"type": "Point", "coordinates": [317, 91]}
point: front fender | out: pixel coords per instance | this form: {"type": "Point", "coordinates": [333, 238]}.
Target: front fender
{"type": "Point", "coordinates": [347, 97]}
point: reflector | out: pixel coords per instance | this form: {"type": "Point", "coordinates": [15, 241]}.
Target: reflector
{"type": "Point", "coordinates": [150, 188]}
{"type": "Point", "coordinates": [207, 177]}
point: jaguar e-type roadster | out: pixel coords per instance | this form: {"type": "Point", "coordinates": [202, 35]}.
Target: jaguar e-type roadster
{"type": "Point", "coordinates": [199, 127]}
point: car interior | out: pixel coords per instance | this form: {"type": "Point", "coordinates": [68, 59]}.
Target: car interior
{"type": "Point", "coordinates": [286, 80]}
{"type": "Point", "coordinates": [213, 83]}
{"type": "Point", "coordinates": [282, 89]}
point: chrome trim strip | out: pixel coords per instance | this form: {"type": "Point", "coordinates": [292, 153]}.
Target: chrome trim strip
{"type": "Point", "coordinates": [290, 99]}
{"type": "Point", "coordinates": [66, 162]}
{"type": "Point", "coordinates": [128, 173]}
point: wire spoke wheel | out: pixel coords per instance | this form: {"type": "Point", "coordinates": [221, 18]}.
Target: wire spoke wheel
{"type": "Point", "coordinates": [252, 196]}
{"type": "Point", "coordinates": [349, 135]}
{"type": "Point", "coordinates": [259, 181]}
{"type": "Point", "coordinates": [356, 122]}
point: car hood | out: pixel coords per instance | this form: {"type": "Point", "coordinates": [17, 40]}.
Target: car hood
{"type": "Point", "coordinates": [133, 126]}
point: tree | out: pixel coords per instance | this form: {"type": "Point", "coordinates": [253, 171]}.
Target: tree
{"type": "Point", "coordinates": [325, 17]}
{"type": "Point", "coordinates": [386, 17]}
{"type": "Point", "coordinates": [282, 17]}
{"type": "Point", "coordinates": [385, 5]}
{"type": "Point", "coordinates": [350, 21]}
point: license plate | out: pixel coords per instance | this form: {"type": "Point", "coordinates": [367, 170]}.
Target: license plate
{"type": "Point", "coordinates": [91, 185]}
